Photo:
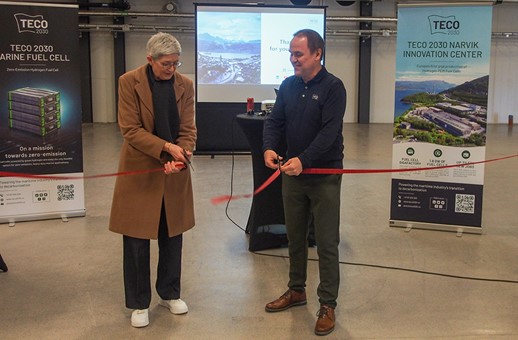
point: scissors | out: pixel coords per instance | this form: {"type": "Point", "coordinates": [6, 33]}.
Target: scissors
{"type": "Point", "coordinates": [279, 162]}
{"type": "Point", "coordinates": [188, 160]}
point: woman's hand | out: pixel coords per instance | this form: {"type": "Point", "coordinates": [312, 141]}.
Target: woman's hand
{"type": "Point", "coordinates": [178, 153]}
{"type": "Point", "coordinates": [173, 167]}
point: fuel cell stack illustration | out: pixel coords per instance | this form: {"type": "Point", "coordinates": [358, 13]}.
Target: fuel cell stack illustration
{"type": "Point", "coordinates": [34, 110]}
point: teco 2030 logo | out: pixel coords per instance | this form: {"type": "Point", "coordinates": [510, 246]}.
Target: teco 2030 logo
{"type": "Point", "coordinates": [31, 23]}
{"type": "Point", "coordinates": [444, 25]}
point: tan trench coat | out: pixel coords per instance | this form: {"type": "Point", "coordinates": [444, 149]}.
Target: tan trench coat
{"type": "Point", "coordinates": [137, 199]}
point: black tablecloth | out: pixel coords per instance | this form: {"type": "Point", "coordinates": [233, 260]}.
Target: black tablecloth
{"type": "Point", "coordinates": [266, 221]}
{"type": "Point", "coordinates": [3, 266]}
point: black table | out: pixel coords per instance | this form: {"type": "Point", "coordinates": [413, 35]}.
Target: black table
{"type": "Point", "coordinates": [3, 266]}
{"type": "Point", "coordinates": [266, 220]}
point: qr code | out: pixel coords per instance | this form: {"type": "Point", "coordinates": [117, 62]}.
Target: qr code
{"type": "Point", "coordinates": [65, 192]}
{"type": "Point", "coordinates": [465, 204]}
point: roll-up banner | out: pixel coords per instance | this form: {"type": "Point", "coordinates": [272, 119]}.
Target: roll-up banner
{"type": "Point", "coordinates": [40, 112]}
{"type": "Point", "coordinates": [440, 116]}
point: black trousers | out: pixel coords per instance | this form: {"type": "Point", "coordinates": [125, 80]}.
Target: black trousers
{"type": "Point", "coordinates": [137, 281]}
{"type": "Point", "coordinates": [317, 200]}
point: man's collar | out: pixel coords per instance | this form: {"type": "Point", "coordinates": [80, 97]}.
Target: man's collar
{"type": "Point", "coordinates": [317, 78]}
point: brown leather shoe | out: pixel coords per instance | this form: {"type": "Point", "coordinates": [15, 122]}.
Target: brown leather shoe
{"type": "Point", "coordinates": [326, 320]}
{"type": "Point", "coordinates": [289, 299]}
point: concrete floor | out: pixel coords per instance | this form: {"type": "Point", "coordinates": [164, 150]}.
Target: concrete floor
{"type": "Point", "coordinates": [65, 279]}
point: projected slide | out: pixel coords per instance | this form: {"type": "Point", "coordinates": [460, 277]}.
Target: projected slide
{"type": "Point", "coordinates": [276, 32]}
{"type": "Point", "coordinates": [244, 50]}
{"type": "Point", "coordinates": [229, 48]}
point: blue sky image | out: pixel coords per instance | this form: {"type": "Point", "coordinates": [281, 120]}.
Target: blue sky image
{"type": "Point", "coordinates": [231, 26]}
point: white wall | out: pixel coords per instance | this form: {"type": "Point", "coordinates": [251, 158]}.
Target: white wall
{"type": "Point", "coordinates": [383, 77]}
{"type": "Point", "coordinates": [341, 58]}
{"type": "Point", "coordinates": [503, 79]}
{"type": "Point", "coordinates": [102, 75]}
{"type": "Point", "coordinates": [342, 61]}
{"type": "Point", "coordinates": [383, 67]}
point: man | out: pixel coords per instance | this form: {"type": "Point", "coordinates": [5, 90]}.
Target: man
{"type": "Point", "coordinates": [156, 119]}
{"type": "Point", "coordinates": [309, 113]}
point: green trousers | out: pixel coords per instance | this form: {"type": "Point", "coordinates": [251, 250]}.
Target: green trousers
{"type": "Point", "coordinates": [313, 200]}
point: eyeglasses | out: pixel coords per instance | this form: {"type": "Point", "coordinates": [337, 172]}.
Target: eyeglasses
{"type": "Point", "coordinates": [167, 66]}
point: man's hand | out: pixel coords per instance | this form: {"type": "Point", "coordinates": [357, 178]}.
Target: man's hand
{"type": "Point", "coordinates": [271, 159]}
{"type": "Point", "coordinates": [292, 167]}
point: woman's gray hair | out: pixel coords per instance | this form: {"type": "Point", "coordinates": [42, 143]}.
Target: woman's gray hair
{"type": "Point", "coordinates": [162, 44]}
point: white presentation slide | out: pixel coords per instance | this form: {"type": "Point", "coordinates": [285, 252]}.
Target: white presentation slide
{"type": "Point", "coordinates": [243, 51]}
{"type": "Point", "coordinates": [276, 32]}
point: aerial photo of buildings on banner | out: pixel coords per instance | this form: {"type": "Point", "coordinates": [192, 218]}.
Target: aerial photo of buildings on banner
{"type": "Point", "coordinates": [441, 113]}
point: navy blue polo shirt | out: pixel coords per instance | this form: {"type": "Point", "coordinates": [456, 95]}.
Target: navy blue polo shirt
{"type": "Point", "coordinates": [309, 117]}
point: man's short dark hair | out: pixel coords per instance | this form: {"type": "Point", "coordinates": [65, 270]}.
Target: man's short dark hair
{"type": "Point", "coordinates": [315, 41]}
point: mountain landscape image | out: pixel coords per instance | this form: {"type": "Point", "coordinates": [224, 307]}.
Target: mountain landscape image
{"type": "Point", "coordinates": [442, 113]}
{"type": "Point", "coordinates": [208, 43]}
{"type": "Point", "coordinates": [225, 61]}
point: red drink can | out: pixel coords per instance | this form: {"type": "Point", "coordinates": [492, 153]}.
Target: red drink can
{"type": "Point", "coordinates": [250, 105]}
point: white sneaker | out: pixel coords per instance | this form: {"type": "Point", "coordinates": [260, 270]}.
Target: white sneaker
{"type": "Point", "coordinates": [140, 318]}
{"type": "Point", "coordinates": [175, 306]}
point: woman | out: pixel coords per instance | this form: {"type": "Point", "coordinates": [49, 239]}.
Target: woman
{"type": "Point", "coordinates": [156, 119]}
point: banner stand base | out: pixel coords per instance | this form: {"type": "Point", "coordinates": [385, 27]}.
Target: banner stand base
{"type": "Point", "coordinates": [440, 227]}
{"type": "Point", "coordinates": [46, 216]}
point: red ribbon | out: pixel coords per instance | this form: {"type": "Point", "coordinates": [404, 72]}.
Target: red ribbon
{"type": "Point", "coordinates": [220, 199]}
{"type": "Point", "coordinates": [315, 171]}
{"type": "Point", "coordinates": [123, 173]}
{"type": "Point", "coordinates": [323, 171]}
{"type": "Point", "coordinates": [224, 198]}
